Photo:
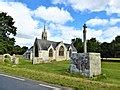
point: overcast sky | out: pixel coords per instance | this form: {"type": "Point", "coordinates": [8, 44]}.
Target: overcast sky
{"type": "Point", "coordinates": [64, 19]}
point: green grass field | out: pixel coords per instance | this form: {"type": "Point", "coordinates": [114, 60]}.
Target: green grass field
{"type": "Point", "coordinates": [57, 73]}
{"type": "Point", "coordinates": [112, 72]}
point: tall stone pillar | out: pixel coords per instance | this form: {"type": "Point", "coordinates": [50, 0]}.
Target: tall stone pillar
{"type": "Point", "coordinates": [84, 38]}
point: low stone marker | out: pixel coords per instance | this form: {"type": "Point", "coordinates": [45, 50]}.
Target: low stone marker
{"type": "Point", "coordinates": [13, 58]}
{"type": "Point", "coordinates": [8, 56]}
{"type": "Point", "coordinates": [87, 64]}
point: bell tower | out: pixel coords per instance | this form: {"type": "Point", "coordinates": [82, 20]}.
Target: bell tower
{"type": "Point", "coordinates": [44, 34]}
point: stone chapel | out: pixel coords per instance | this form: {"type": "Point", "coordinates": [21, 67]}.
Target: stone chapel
{"type": "Point", "coordinates": [44, 50]}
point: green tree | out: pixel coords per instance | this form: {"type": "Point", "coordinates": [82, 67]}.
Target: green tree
{"type": "Point", "coordinates": [106, 50]}
{"type": "Point", "coordinates": [6, 29]}
{"type": "Point", "coordinates": [18, 50]}
{"type": "Point", "coordinates": [115, 47]}
{"type": "Point", "coordinates": [24, 49]}
{"type": "Point", "coordinates": [93, 45]}
{"type": "Point", "coordinates": [78, 44]}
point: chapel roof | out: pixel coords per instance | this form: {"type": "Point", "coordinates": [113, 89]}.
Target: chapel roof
{"type": "Point", "coordinates": [45, 44]}
{"type": "Point", "coordinates": [29, 50]}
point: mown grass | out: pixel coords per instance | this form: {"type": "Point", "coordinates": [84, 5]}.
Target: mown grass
{"type": "Point", "coordinates": [57, 73]}
{"type": "Point", "coordinates": [112, 72]}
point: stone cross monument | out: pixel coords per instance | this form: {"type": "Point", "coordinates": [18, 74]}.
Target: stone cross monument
{"type": "Point", "coordinates": [84, 38]}
{"type": "Point", "coordinates": [87, 64]}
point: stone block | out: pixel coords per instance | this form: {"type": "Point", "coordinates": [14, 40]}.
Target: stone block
{"type": "Point", "coordinates": [16, 61]}
{"type": "Point", "coordinates": [87, 64]}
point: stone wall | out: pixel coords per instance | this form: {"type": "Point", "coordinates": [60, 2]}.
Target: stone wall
{"type": "Point", "coordinates": [37, 60]}
{"type": "Point", "coordinates": [87, 64]}
{"type": "Point", "coordinates": [45, 55]}
{"type": "Point", "coordinates": [95, 64]}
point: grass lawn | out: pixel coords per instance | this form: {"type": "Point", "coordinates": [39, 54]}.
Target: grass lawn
{"type": "Point", "coordinates": [112, 72]}
{"type": "Point", "coordinates": [57, 73]}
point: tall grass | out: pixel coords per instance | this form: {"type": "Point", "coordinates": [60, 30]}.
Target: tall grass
{"type": "Point", "coordinates": [57, 73]}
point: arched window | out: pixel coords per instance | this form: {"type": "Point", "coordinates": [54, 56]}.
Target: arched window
{"type": "Point", "coordinates": [36, 51]}
{"type": "Point", "coordinates": [50, 53]}
{"type": "Point", "coordinates": [61, 51]}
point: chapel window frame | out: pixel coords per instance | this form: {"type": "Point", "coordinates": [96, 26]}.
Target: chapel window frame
{"type": "Point", "coordinates": [61, 51]}
{"type": "Point", "coordinates": [36, 50]}
{"type": "Point", "coordinates": [51, 53]}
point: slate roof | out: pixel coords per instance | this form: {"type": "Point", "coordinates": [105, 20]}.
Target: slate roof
{"type": "Point", "coordinates": [30, 48]}
{"type": "Point", "coordinates": [45, 44]}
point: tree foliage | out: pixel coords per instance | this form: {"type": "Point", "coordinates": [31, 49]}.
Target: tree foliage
{"type": "Point", "coordinates": [18, 50]}
{"type": "Point", "coordinates": [78, 44]}
{"type": "Point", "coordinates": [93, 45]}
{"type": "Point", "coordinates": [115, 45]}
{"type": "Point", "coordinates": [106, 49]}
{"type": "Point", "coordinates": [7, 28]}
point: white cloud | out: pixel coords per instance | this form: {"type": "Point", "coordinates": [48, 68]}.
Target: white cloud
{"type": "Point", "coordinates": [97, 22]}
{"type": "Point", "coordinates": [24, 42]}
{"type": "Point", "coordinates": [113, 7]}
{"type": "Point", "coordinates": [102, 22]}
{"type": "Point", "coordinates": [106, 35]}
{"type": "Point", "coordinates": [114, 21]}
{"type": "Point", "coordinates": [92, 5]}
{"type": "Point", "coordinates": [53, 14]}
{"type": "Point", "coordinates": [27, 27]}
{"type": "Point", "coordinates": [109, 34]}
{"type": "Point", "coordinates": [93, 33]}
{"type": "Point", "coordinates": [67, 33]}
{"type": "Point", "coordinates": [110, 6]}
{"type": "Point", "coordinates": [83, 5]}
{"type": "Point", "coordinates": [64, 33]}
